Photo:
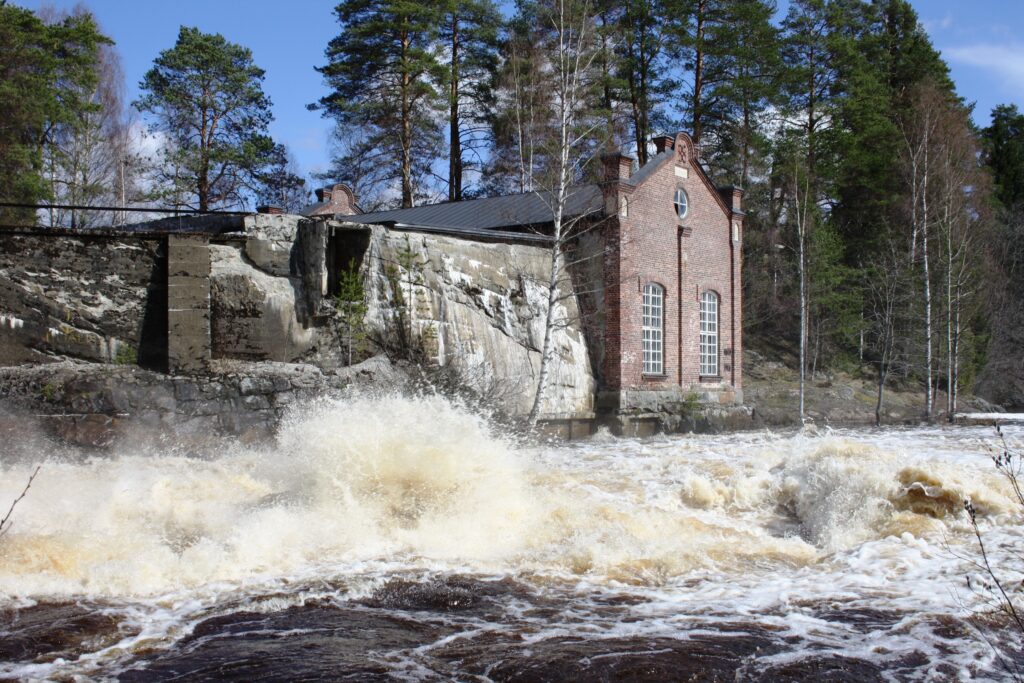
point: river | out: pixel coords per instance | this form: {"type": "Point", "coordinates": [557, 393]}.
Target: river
{"type": "Point", "coordinates": [389, 538]}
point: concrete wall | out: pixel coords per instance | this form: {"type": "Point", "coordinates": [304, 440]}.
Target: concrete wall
{"type": "Point", "coordinates": [188, 302]}
{"type": "Point", "coordinates": [267, 293]}
{"type": "Point", "coordinates": [166, 297]}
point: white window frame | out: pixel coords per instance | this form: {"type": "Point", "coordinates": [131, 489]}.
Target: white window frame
{"type": "Point", "coordinates": [685, 203]}
{"type": "Point", "coordinates": [709, 308]}
{"type": "Point", "coordinates": [653, 329]}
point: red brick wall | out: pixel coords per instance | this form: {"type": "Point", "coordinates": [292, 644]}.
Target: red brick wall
{"type": "Point", "coordinates": [649, 238]}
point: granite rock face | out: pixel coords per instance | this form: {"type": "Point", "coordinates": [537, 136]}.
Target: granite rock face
{"type": "Point", "coordinates": [56, 299]}
{"type": "Point", "coordinates": [479, 307]}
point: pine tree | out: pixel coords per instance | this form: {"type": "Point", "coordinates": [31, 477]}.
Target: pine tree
{"type": "Point", "coordinates": [811, 82]}
{"type": "Point", "coordinates": [46, 75]}
{"type": "Point", "coordinates": [644, 68]}
{"type": "Point", "coordinates": [206, 95]}
{"type": "Point", "coordinates": [519, 122]}
{"type": "Point", "coordinates": [741, 73]}
{"type": "Point", "coordinates": [694, 25]}
{"type": "Point", "coordinates": [281, 184]}
{"type": "Point", "coordinates": [1005, 154]}
{"type": "Point", "coordinates": [351, 305]}
{"type": "Point", "coordinates": [386, 78]}
{"type": "Point", "coordinates": [882, 53]}
{"type": "Point", "coordinates": [470, 35]}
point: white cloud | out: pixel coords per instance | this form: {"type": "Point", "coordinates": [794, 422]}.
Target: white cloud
{"type": "Point", "coordinates": [1004, 62]}
{"type": "Point", "coordinates": [932, 25]}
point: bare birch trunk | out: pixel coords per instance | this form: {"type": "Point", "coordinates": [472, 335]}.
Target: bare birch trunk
{"type": "Point", "coordinates": [881, 389]}
{"type": "Point", "coordinates": [801, 228]}
{"type": "Point", "coordinates": [955, 388]}
{"type": "Point", "coordinates": [950, 391]}
{"type": "Point", "coordinates": [570, 65]}
{"type": "Point", "coordinates": [929, 360]}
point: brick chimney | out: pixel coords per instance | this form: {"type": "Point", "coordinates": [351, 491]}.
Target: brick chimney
{"type": "Point", "coordinates": [617, 166]}
{"type": "Point", "coordinates": [663, 142]}
{"type": "Point", "coordinates": [270, 209]}
{"type": "Point", "coordinates": [733, 197]}
{"type": "Point", "coordinates": [335, 200]}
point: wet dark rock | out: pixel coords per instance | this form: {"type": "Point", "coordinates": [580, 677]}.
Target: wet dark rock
{"type": "Point", "coordinates": [438, 596]}
{"type": "Point", "coordinates": [310, 643]}
{"type": "Point", "coordinates": [96, 405]}
{"type": "Point", "coordinates": [825, 670]}
{"type": "Point", "coordinates": [45, 632]}
{"type": "Point", "coordinates": [701, 658]}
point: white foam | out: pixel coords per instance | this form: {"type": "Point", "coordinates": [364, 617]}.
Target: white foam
{"type": "Point", "coordinates": [358, 489]}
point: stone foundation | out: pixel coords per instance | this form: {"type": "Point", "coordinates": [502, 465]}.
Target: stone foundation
{"type": "Point", "coordinates": [104, 406]}
{"type": "Point", "coordinates": [699, 409]}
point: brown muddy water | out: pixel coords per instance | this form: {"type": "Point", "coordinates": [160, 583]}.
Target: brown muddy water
{"type": "Point", "coordinates": [400, 539]}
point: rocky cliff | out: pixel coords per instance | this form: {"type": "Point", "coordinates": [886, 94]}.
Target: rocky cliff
{"type": "Point", "coordinates": [478, 307]}
{"type": "Point", "coordinates": [265, 291]}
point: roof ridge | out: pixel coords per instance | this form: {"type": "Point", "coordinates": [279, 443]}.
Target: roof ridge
{"type": "Point", "coordinates": [449, 202]}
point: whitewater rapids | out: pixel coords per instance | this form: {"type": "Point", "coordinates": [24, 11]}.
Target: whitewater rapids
{"type": "Point", "coordinates": [847, 545]}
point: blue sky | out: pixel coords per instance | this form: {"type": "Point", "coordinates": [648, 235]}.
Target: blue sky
{"type": "Point", "coordinates": [982, 40]}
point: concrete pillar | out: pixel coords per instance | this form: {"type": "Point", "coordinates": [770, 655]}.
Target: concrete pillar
{"type": "Point", "coordinates": [188, 303]}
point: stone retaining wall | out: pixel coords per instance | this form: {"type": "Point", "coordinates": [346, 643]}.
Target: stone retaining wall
{"type": "Point", "coordinates": [97, 405]}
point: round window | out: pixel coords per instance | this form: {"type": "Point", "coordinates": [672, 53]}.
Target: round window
{"type": "Point", "coordinates": [682, 203]}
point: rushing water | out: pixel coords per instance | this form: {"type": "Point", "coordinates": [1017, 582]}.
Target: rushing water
{"type": "Point", "coordinates": [390, 537]}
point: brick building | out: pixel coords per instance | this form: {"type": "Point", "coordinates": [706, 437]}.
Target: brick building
{"type": "Point", "coordinates": [672, 296]}
{"type": "Point", "coordinates": [660, 294]}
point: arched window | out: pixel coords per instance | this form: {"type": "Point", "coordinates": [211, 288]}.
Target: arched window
{"type": "Point", "coordinates": [682, 202]}
{"type": "Point", "coordinates": [709, 334]}
{"type": "Point", "coordinates": [653, 329]}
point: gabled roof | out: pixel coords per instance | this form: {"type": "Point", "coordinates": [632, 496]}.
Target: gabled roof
{"type": "Point", "coordinates": [509, 211]}
{"type": "Point", "coordinates": [655, 162]}
{"type": "Point", "coordinates": [648, 169]}
{"type": "Point", "coordinates": [310, 209]}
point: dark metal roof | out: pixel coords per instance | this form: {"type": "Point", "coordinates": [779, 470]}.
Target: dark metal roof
{"type": "Point", "coordinates": [509, 211]}
{"type": "Point", "coordinates": [315, 206]}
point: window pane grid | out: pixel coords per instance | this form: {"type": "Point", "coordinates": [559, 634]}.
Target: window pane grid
{"type": "Point", "coordinates": [709, 334]}
{"type": "Point", "coordinates": [682, 202]}
{"type": "Point", "coordinates": [652, 330]}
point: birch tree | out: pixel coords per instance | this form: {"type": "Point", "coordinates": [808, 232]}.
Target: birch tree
{"type": "Point", "coordinates": [93, 161]}
{"type": "Point", "coordinates": [962, 213]}
{"type": "Point", "coordinates": [885, 287]}
{"type": "Point", "coordinates": [571, 51]}
{"type": "Point", "coordinates": [803, 216]}
{"type": "Point", "coordinates": [918, 161]}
